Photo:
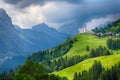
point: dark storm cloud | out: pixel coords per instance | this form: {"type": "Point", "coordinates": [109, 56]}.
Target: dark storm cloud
{"type": "Point", "coordinates": [96, 9]}
{"type": "Point", "coordinates": [26, 3]}
{"type": "Point", "coordinates": [80, 11]}
{"type": "Point", "coordinates": [87, 10]}
{"type": "Point", "coordinates": [12, 1]}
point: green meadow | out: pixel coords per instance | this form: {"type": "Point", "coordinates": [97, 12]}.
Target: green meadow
{"type": "Point", "coordinates": [107, 62]}
{"type": "Point", "coordinates": [79, 48]}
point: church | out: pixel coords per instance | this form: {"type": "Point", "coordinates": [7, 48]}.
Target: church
{"type": "Point", "coordinates": [84, 30]}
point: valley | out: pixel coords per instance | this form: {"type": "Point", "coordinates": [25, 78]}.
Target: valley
{"type": "Point", "coordinates": [63, 46]}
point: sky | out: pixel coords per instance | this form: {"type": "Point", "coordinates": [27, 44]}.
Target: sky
{"type": "Point", "coordinates": [88, 13]}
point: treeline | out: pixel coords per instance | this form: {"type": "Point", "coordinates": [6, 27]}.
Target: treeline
{"type": "Point", "coordinates": [61, 63]}
{"type": "Point", "coordinates": [112, 27]}
{"type": "Point", "coordinates": [55, 52]}
{"type": "Point", "coordinates": [48, 57]}
{"type": "Point", "coordinates": [100, 51]}
{"type": "Point", "coordinates": [111, 74]}
{"type": "Point", "coordinates": [97, 72]}
{"type": "Point", "coordinates": [54, 64]}
{"type": "Point", "coordinates": [35, 71]}
{"type": "Point", "coordinates": [51, 61]}
{"type": "Point", "coordinates": [7, 75]}
{"type": "Point", "coordinates": [113, 44]}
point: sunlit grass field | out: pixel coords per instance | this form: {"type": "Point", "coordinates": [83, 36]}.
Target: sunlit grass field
{"type": "Point", "coordinates": [107, 62]}
{"type": "Point", "coordinates": [79, 48]}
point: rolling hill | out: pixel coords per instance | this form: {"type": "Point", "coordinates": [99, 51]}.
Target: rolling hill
{"type": "Point", "coordinates": [72, 56]}
{"type": "Point", "coordinates": [79, 48]}
{"type": "Point", "coordinates": [107, 62]}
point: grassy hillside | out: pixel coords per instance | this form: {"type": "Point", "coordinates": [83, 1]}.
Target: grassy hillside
{"type": "Point", "coordinates": [65, 55]}
{"type": "Point", "coordinates": [107, 62]}
{"type": "Point", "coordinates": [79, 47]}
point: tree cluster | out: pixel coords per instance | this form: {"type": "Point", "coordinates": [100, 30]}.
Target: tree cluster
{"type": "Point", "coordinates": [7, 75]}
{"type": "Point", "coordinates": [111, 74]}
{"type": "Point", "coordinates": [35, 71]}
{"type": "Point", "coordinates": [47, 57]}
{"type": "Point", "coordinates": [112, 27]}
{"type": "Point", "coordinates": [61, 63]}
{"type": "Point", "coordinates": [97, 72]}
{"type": "Point", "coordinates": [92, 74]}
{"type": "Point", "coordinates": [100, 51]}
{"type": "Point", "coordinates": [53, 64]}
{"type": "Point", "coordinates": [113, 44]}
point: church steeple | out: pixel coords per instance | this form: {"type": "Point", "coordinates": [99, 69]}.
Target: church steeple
{"type": "Point", "coordinates": [84, 30]}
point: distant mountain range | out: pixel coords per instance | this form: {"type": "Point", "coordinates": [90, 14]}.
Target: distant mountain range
{"type": "Point", "coordinates": [70, 28]}
{"type": "Point", "coordinates": [16, 42]}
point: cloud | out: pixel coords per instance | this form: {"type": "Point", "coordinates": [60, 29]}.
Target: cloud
{"type": "Point", "coordinates": [26, 3]}
{"type": "Point", "coordinates": [97, 9]}
{"type": "Point", "coordinates": [51, 13]}
{"type": "Point", "coordinates": [100, 22]}
{"type": "Point", "coordinates": [27, 13]}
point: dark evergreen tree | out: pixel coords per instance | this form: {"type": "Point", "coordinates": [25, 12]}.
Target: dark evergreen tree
{"type": "Point", "coordinates": [75, 76]}
{"type": "Point", "coordinates": [87, 48]}
{"type": "Point", "coordinates": [35, 71]}
{"type": "Point", "coordinates": [95, 70]}
{"type": "Point", "coordinates": [100, 51]}
{"type": "Point", "coordinates": [93, 53]}
{"type": "Point", "coordinates": [113, 44]}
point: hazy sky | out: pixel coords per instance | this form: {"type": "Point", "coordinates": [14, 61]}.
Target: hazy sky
{"type": "Point", "coordinates": [91, 13]}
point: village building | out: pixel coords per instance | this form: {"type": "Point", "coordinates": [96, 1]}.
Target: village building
{"type": "Point", "coordinates": [84, 30]}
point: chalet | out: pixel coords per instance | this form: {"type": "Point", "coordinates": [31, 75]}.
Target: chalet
{"type": "Point", "coordinates": [99, 34]}
{"type": "Point", "coordinates": [118, 35]}
{"type": "Point", "coordinates": [109, 34]}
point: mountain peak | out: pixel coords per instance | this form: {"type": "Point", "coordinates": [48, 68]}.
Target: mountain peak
{"type": "Point", "coordinates": [2, 11]}
{"type": "Point", "coordinates": [5, 20]}
{"type": "Point", "coordinates": [41, 26]}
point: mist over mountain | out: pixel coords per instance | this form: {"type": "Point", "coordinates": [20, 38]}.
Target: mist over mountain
{"type": "Point", "coordinates": [76, 28]}
{"type": "Point", "coordinates": [17, 42]}
{"type": "Point", "coordinates": [70, 28]}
